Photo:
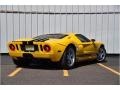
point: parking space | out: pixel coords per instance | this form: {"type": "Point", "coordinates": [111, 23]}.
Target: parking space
{"type": "Point", "coordinates": [84, 73]}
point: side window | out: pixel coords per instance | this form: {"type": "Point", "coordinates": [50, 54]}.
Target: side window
{"type": "Point", "coordinates": [82, 38]}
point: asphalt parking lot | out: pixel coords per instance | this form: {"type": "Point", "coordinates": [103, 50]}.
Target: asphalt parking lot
{"type": "Point", "coordinates": [84, 73]}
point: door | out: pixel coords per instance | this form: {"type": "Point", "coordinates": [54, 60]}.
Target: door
{"type": "Point", "coordinates": [88, 46]}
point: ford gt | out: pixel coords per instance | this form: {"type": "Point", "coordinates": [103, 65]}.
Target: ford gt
{"type": "Point", "coordinates": [63, 48]}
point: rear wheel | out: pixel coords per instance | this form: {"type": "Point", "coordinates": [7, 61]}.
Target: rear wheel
{"type": "Point", "coordinates": [68, 58]}
{"type": "Point", "coordinates": [101, 54]}
{"type": "Point", "coordinates": [21, 62]}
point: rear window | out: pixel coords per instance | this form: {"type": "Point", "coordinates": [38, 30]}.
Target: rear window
{"type": "Point", "coordinates": [47, 36]}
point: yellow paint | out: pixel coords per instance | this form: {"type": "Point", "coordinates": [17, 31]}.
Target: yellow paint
{"type": "Point", "coordinates": [65, 73]}
{"type": "Point", "coordinates": [108, 68]}
{"type": "Point", "coordinates": [24, 39]}
{"type": "Point", "coordinates": [16, 71]}
{"type": "Point", "coordinates": [82, 48]}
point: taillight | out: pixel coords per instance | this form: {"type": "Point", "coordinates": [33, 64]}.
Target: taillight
{"type": "Point", "coordinates": [12, 47]}
{"type": "Point", "coordinates": [46, 48]}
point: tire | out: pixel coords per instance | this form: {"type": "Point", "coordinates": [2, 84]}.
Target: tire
{"type": "Point", "coordinates": [101, 56]}
{"type": "Point", "coordinates": [21, 62]}
{"type": "Point", "coordinates": [68, 58]}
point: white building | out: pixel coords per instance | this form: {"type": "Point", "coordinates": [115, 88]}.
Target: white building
{"type": "Point", "coordinates": [99, 22]}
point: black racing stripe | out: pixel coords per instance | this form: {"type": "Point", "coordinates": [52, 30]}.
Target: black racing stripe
{"type": "Point", "coordinates": [41, 48]}
{"type": "Point", "coordinates": [30, 42]}
{"type": "Point", "coordinates": [17, 47]}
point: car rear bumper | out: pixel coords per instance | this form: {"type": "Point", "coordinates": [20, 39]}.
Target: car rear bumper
{"type": "Point", "coordinates": [32, 55]}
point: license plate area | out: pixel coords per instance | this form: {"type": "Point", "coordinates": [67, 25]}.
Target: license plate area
{"type": "Point", "coordinates": [29, 48]}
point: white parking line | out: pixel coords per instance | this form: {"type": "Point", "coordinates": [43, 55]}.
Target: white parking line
{"type": "Point", "coordinates": [65, 73]}
{"type": "Point", "coordinates": [110, 69]}
{"type": "Point", "coordinates": [15, 72]}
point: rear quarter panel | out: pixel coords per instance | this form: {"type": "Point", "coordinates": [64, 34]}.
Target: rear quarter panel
{"type": "Point", "coordinates": [59, 46]}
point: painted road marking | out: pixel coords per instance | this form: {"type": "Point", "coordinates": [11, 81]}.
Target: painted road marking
{"type": "Point", "coordinates": [108, 68]}
{"type": "Point", "coordinates": [15, 72]}
{"type": "Point", "coordinates": [65, 73]}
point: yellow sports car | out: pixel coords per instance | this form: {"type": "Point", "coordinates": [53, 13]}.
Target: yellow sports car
{"type": "Point", "coordinates": [64, 48]}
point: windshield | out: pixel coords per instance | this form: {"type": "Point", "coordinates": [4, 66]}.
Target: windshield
{"type": "Point", "coordinates": [47, 36]}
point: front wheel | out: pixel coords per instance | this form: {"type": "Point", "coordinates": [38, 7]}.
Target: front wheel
{"type": "Point", "coordinates": [101, 54]}
{"type": "Point", "coordinates": [68, 58]}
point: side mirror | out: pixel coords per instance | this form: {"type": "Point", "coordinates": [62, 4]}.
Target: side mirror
{"type": "Point", "coordinates": [93, 40]}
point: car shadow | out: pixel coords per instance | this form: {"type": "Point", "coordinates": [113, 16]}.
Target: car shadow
{"type": "Point", "coordinates": [56, 66]}
{"type": "Point", "coordinates": [86, 63]}
{"type": "Point", "coordinates": [46, 65]}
